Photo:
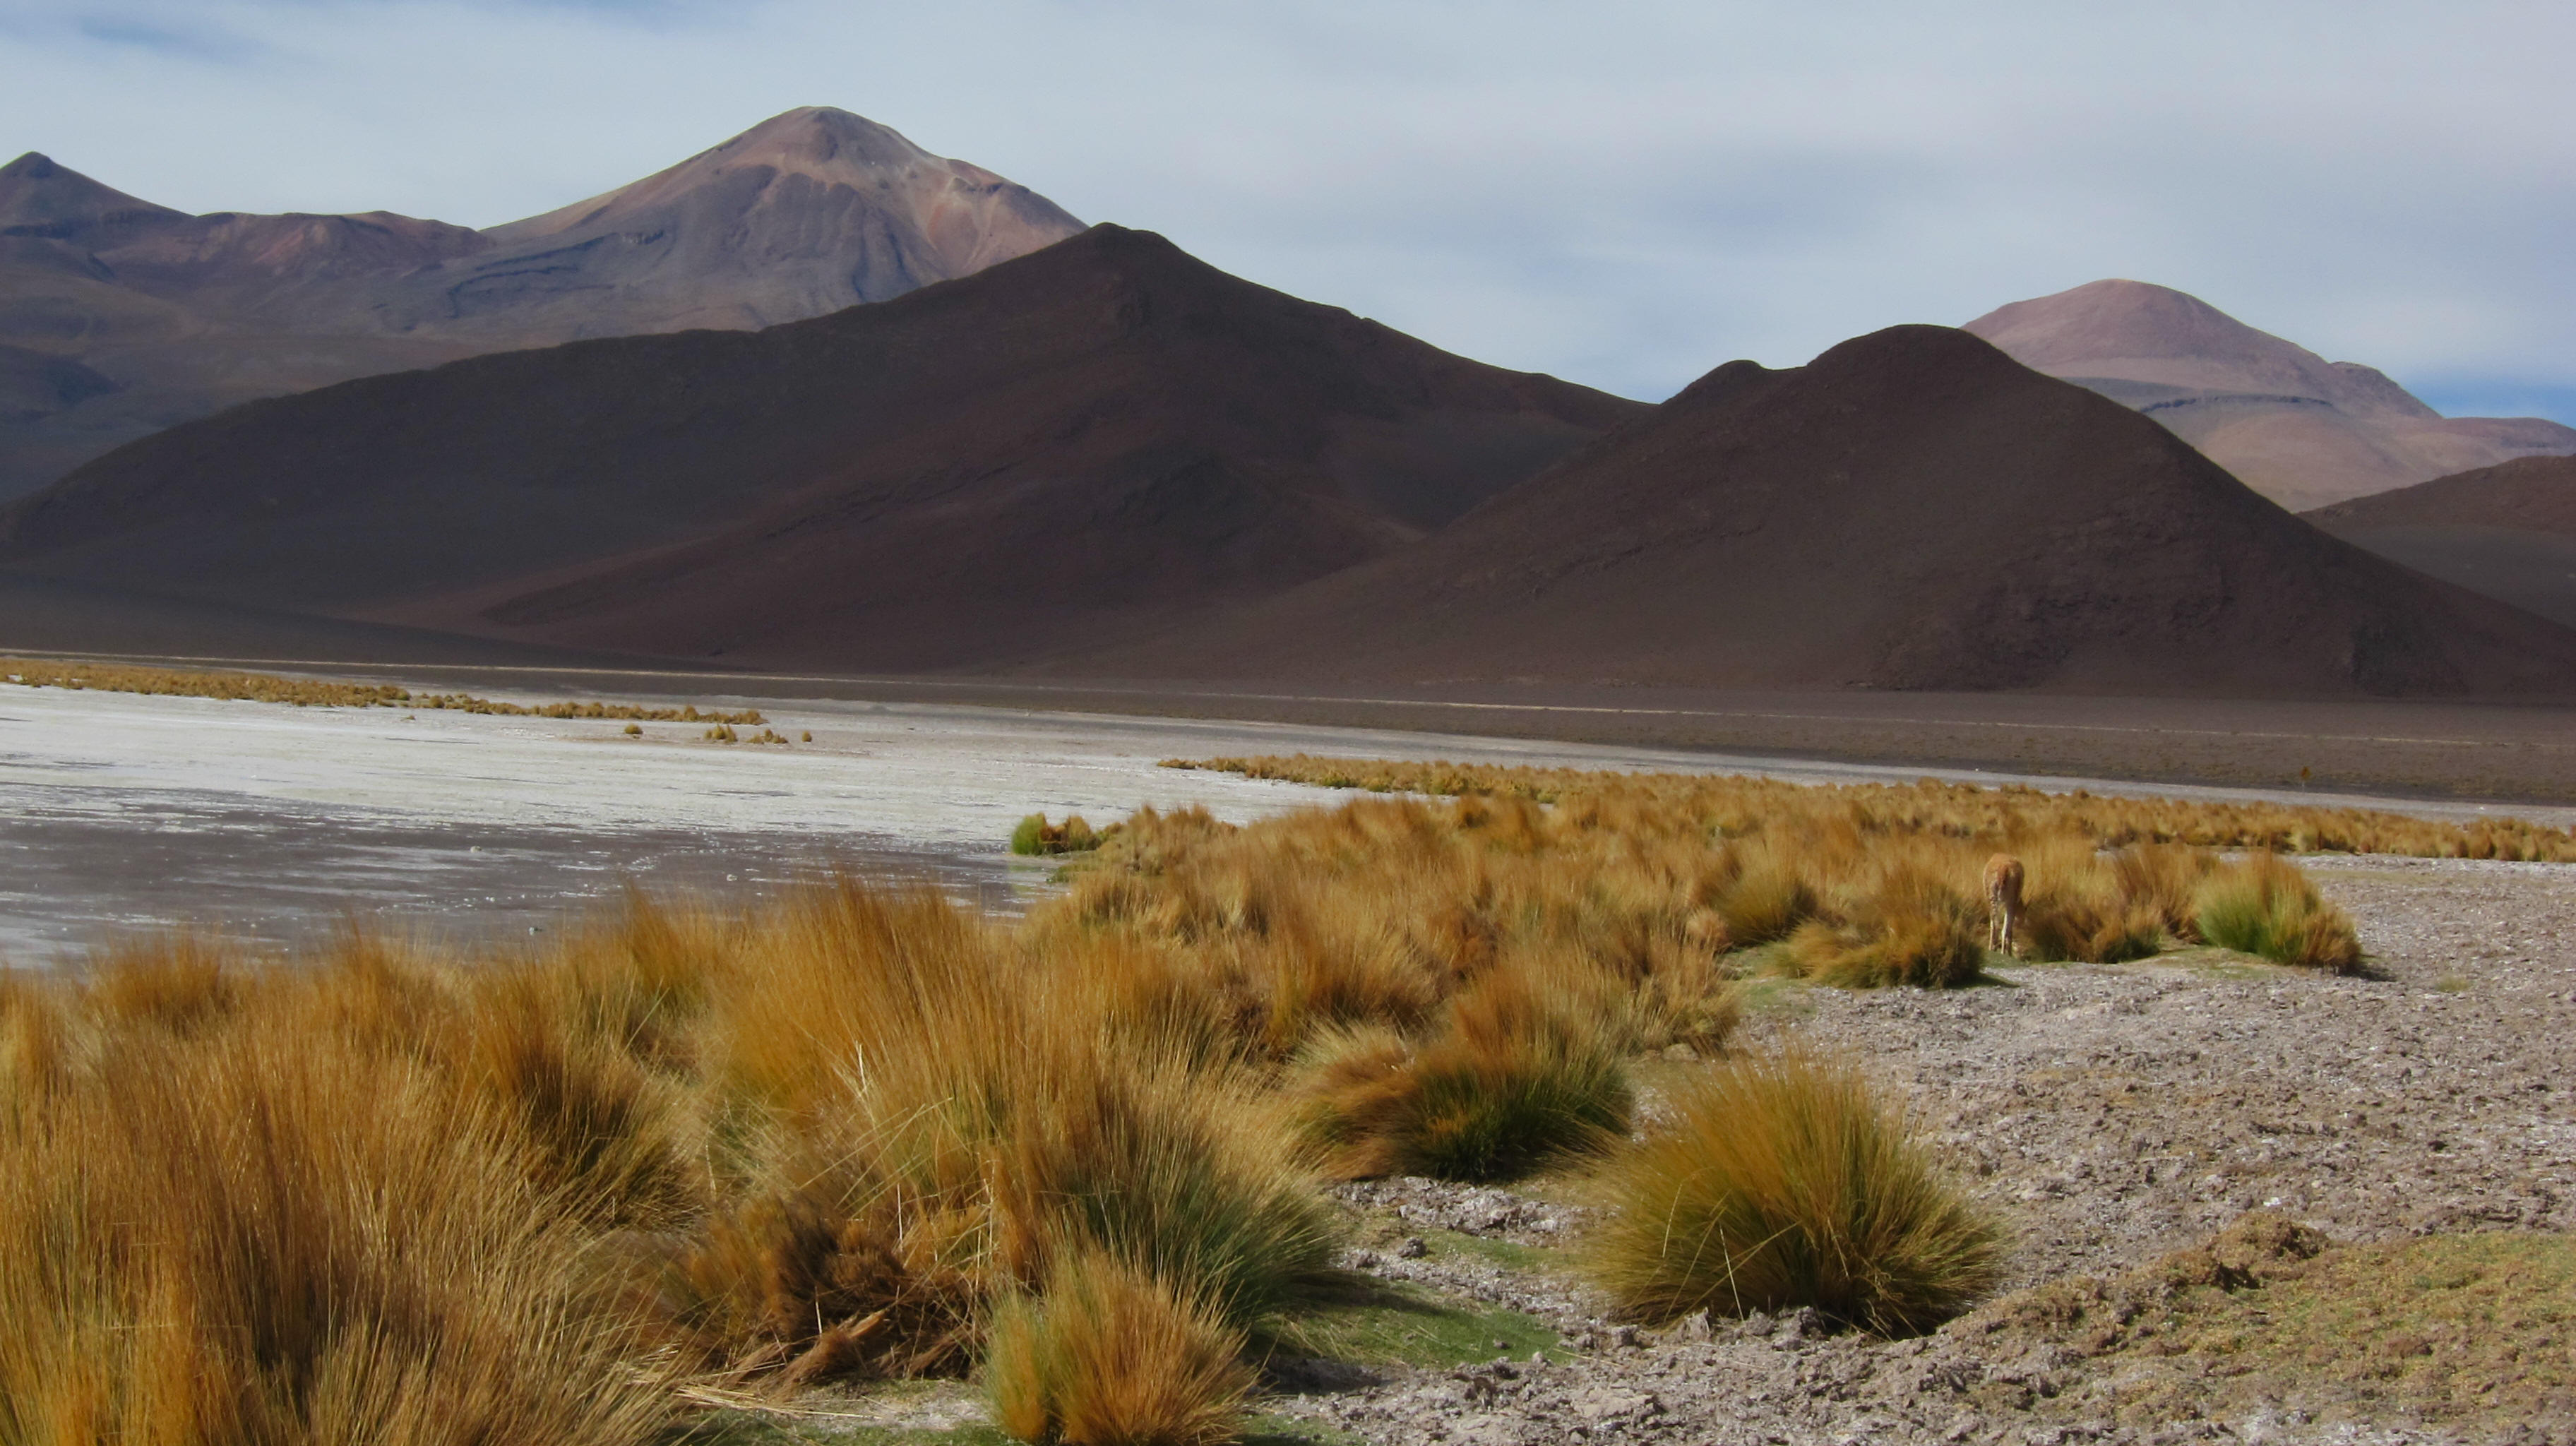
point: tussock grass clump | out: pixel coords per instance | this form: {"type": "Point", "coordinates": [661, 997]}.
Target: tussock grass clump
{"type": "Point", "coordinates": [1110, 1355]}
{"type": "Point", "coordinates": [1513, 1081]}
{"type": "Point", "coordinates": [1901, 918]}
{"type": "Point", "coordinates": [2268, 908]}
{"type": "Point", "coordinates": [323, 693]}
{"type": "Point", "coordinates": [1037, 837]}
{"type": "Point", "coordinates": [2105, 909]}
{"type": "Point", "coordinates": [249, 1233]}
{"type": "Point", "coordinates": [404, 1195]}
{"type": "Point", "coordinates": [943, 1114]}
{"type": "Point", "coordinates": [1954, 809]}
{"type": "Point", "coordinates": [1782, 1181]}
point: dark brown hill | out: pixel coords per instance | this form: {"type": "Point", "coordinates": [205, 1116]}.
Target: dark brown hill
{"type": "Point", "coordinates": [1102, 436]}
{"type": "Point", "coordinates": [2507, 531]}
{"type": "Point", "coordinates": [1911, 510]}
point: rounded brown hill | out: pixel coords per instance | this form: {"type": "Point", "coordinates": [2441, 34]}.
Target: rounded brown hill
{"type": "Point", "coordinates": [2507, 531]}
{"type": "Point", "coordinates": [1911, 510]}
{"type": "Point", "coordinates": [1098, 437]}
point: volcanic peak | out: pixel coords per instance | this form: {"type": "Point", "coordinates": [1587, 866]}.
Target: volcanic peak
{"type": "Point", "coordinates": [42, 198]}
{"type": "Point", "coordinates": [830, 147]}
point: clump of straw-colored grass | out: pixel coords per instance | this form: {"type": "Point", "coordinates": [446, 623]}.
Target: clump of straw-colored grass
{"type": "Point", "coordinates": [1782, 1181]}
{"type": "Point", "coordinates": [1111, 1355]}
{"type": "Point", "coordinates": [2266, 907]}
{"type": "Point", "coordinates": [1036, 836]}
{"type": "Point", "coordinates": [1513, 1081]}
{"type": "Point", "coordinates": [241, 1231]}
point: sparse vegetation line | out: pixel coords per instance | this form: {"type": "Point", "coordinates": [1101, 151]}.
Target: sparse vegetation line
{"type": "Point", "coordinates": [1958, 809]}
{"type": "Point", "coordinates": [318, 693]}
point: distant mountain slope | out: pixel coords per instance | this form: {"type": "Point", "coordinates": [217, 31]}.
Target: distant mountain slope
{"type": "Point", "coordinates": [2508, 531]}
{"type": "Point", "coordinates": [1911, 510]}
{"type": "Point", "coordinates": [803, 215]}
{"type": "Point", "coordinates": [2295, 427]}
{"type": "Point", "coordinates": [1095, 438]}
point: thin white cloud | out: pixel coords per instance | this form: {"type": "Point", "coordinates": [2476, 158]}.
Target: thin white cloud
{"type": "Point", "coordinates": [1625, 194]}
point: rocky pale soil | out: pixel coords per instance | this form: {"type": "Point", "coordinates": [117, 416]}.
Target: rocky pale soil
{"type": "Point", "coordinates": [2116, 1118]}
{"type": "Point", "coordinates": [2113, 1115]}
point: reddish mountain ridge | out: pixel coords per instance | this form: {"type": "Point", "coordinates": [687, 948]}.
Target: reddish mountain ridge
{"type": "Point", "coordinates": [1911, 510]}
{"type": "Point", "coordinates": [801, 216]}
{"type": "Point", "coordinates": [2507, 531]}
{"type": "Point", "coordinates": [1096, 438]}
{"type": "Point", "coordinates": [2293, 426]}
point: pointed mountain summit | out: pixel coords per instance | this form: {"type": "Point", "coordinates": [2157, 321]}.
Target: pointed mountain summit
{"type": "Point", "coordinates": [800, 216]}
{"type": "Point", "coordinates": [2302, 430]}
{"type": "Point", "coordinates": [1104, 436]}
{"type": "Point", "coordinates": [43, 200]}
{"type": "Point", "coordinates": [803, 214]}
{"type": "Point", "coordinates": [1910, 510]}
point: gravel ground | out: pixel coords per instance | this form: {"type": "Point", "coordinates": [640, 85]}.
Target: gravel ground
{"type": "Point", "coordinates": [2113, 1115]}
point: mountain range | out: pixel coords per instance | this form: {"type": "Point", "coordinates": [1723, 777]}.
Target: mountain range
{"type": "Point", "coordinates": [1099, 437]}
{"type": "Point", "coordinates": [1911, 510]}
{"type": "Point", "coordinates": [818, 400]}
{"type": "Point", "coordinates": [2301, 430]}
{"type": "Point", "coordinates": [119, 317]}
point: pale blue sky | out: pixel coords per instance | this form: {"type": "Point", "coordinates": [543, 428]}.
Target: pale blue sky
{"type": "Point", "coordinates": [1624, 194]}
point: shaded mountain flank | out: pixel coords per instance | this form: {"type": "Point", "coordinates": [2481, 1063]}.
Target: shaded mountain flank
{"type": "Point", "coordinates": [2293, 426]}
{"type": "Point", "coordinates": [184, 315]}
{"type": "Point", "coordinates": [2508, 531]}
{"type": "Point", "coordinates": [1099, 437]}
{"type": "Point", "coordinates": [1911, 510]}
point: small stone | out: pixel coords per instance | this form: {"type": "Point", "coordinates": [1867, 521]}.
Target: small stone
{"type": "Point", "coordinates": [1694, 1327]}
{"type": "Point", "coordinates": [1412, 1248]}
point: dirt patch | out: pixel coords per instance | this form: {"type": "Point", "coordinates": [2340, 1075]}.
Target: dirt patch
{"type": "Point", "coordinates": [2120, 1118]}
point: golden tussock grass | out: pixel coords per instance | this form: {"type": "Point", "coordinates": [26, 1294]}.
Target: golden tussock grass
{"type": "Point", "coordinates": [217, 1225]}
{"type": "Point", "coordinates": [1957, 810]}
{"type": "Point", "coordinates": [323, 693]}
{"type": "Point", "coordinates": [418, 1195]}
{"type": "Point", "coordinates": [2271, 909]}
{"type": "Point", "coordinates": [1782, 1181]}
{"type": "Point", "coordinates": [408, 1196]}
{"type": "Point", "coordinates": [1110, 1355]}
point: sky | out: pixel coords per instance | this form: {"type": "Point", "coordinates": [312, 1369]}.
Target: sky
{"type": "Point", "coordinates": [1624, 194]}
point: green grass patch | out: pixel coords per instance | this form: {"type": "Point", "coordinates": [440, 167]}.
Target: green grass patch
{"type": "Point", "coordinates": [1381, 1323]}
{"type": "Point", "coordinates": [1767, 990]}
{"type": "Point", "coordinates": [1510, 1255]}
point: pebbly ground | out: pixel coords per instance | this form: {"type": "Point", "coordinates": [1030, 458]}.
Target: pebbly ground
{"type": "Point", "coordinates": [2119, 1119]}
{"type": "Point", "coordinates": [2112, 1115]}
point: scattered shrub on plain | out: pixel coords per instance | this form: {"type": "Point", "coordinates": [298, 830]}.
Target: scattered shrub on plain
{"type": "Point", "coordinates": [2266, 907]}
{"type": "Point", "coordinates": [1782, 1181]}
